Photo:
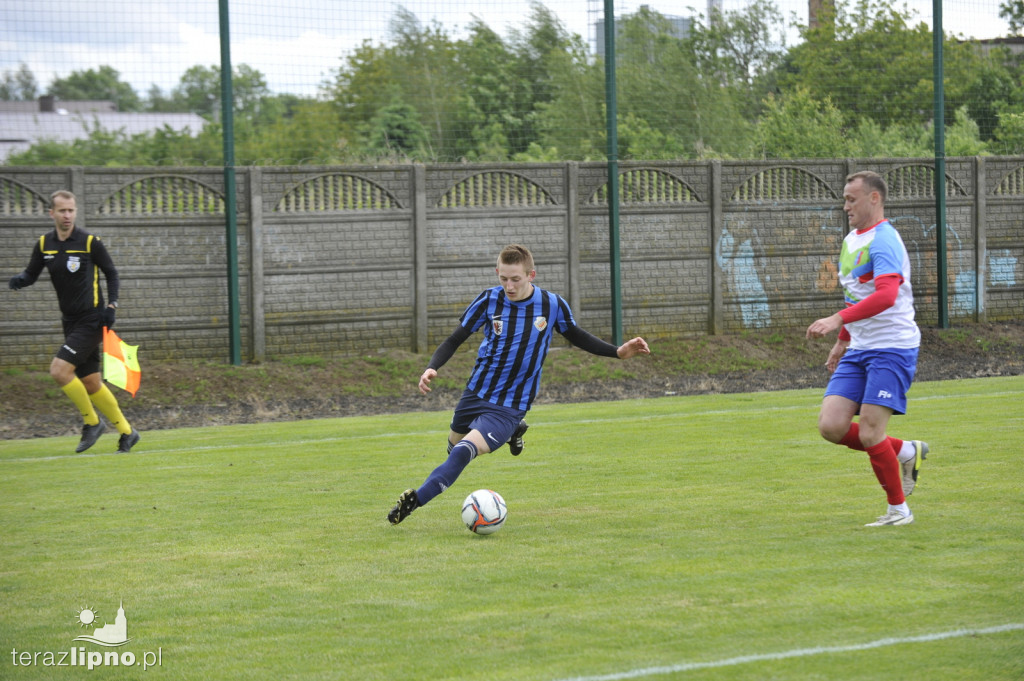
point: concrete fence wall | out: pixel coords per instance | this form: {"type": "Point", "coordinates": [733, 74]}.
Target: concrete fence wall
{"type": "Point", "coordinates": [351, 259]}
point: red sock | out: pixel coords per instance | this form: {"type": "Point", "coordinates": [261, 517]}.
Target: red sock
{"type": "Point", "coordinates": [852, 440]}
{"type": "Point", "coordinates": [887, 470]}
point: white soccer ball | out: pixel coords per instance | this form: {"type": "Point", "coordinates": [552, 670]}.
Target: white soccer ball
{"type": "Point", "coordinates": [484, 511]}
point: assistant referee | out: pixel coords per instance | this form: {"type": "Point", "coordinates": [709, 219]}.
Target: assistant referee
{"type": "Point", "coordinates": [74, 259]}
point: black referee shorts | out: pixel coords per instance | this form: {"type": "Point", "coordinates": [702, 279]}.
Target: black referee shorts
{"type": "Point", "coordinates": [82, 338]}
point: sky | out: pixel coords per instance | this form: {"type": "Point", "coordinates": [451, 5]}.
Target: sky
{"type": "Point", "coordinates": [297, 44]}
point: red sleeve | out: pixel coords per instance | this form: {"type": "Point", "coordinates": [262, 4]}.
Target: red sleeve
{"type": "Point", "coordinates": [884, 297]}
{"type": "Point", "coordinates": [844, 335]}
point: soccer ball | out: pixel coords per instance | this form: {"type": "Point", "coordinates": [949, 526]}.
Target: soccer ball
{"type": "Point", "coordinates": [484, 511]}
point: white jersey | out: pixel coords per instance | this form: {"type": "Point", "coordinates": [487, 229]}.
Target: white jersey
{"type": "Point", "coordinates": [866, 255]}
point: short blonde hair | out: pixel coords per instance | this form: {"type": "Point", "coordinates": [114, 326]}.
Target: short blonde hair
{"type": "Point", "coordinates": [514, 254]}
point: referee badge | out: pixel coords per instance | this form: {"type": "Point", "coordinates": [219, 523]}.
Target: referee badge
{"type": "Point", "coordinates": [73, 263]}
{"type": "Point", "coordinates": [540, 323]}
{"type": "Point", "coordinates": [497, 324]}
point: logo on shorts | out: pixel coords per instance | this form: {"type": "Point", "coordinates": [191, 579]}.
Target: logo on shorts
{"type": "Point", "coordinates": [885, 394]}
{"type": "Point", "coordinates": [74, 263]}
{"type": "Point", "coordinates": [497, 324]}
{"type": "Point", "coordinates": [540, 323]}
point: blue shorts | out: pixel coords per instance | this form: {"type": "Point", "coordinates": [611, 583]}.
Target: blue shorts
{"type": "Point", "coordinates": [495, 422]}
{"type": "Point", "coordinates": [880, 377]}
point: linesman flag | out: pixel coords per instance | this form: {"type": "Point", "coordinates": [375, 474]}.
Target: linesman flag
{"type": "Point", "coordinates": [120, 362]}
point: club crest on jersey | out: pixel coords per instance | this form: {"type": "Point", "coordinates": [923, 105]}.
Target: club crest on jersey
{"type": "Point", "coordinates": [540, 323]}
{"type": "Point", "coordinates": [74, 263]}
{"type": "Point", "coordinates": [497, 324]}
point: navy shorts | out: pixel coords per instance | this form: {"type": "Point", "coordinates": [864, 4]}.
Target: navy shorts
{"type": "Point", "coordinates": [495, 422]}
{"type": "Point", "coordinates": [82, 338]}
{"type": "Point", "coordinates": [880, 377]}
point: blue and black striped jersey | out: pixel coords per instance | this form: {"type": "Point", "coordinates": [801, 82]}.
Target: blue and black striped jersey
{"type": "Point", "coordinates": [517, 336]}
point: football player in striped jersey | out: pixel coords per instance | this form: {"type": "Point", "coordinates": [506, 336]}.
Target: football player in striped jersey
{"type": "Point", "coordinates": [518, 321]}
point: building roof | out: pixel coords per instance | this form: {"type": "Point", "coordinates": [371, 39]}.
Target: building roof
{"type": "Point", "coordinates": [20, 130]}
{"type": "Point", "coordinates": [1015, 44]}
{"type": "Point", "coordinates": [48, 104]}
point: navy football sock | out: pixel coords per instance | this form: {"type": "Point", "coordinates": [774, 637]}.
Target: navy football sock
{"type": "Point", "coordinates": [445, 475]}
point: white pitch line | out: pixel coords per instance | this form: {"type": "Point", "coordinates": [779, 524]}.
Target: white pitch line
{"type": "Point", "coordinates": [799, 652]}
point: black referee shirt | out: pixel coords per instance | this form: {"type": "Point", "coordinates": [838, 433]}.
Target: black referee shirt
{"type": "Point", "coordinates": [74, 266]}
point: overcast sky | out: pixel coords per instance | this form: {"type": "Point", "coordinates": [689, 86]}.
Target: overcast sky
{"type": "Point", "coordinates": [297, 43]}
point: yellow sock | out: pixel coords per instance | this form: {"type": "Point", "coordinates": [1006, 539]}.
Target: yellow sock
{"type": "Point", "coordinates": [76, 391]}
{"type": "Point", "coordinates": [107, 403]}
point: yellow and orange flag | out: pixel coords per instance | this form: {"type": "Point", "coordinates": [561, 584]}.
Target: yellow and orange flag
{"type": "Point", "coordinates": [120, 362]}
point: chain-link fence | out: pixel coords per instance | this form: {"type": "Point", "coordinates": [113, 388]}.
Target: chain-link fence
{"type": "Point", "coordinates": [123, 82]}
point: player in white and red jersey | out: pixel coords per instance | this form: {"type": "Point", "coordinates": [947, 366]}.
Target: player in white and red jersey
{"type": "Point", "coordinates": [875, 356]}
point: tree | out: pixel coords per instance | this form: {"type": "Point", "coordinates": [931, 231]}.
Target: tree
{"type": "Point", "coordinates": [744, 49]}
{"type": "Point", "coordinates": [397, 132]}
{"type": "Point", "coordinates": [795, 125]}
{"type": "Point", "coordinates": [199, 91]}
{"type": "Point", "coordinates": [19, 85]}
{"type": "Point", "coordinates": [157, 101]}
{"type": "Point", "coordinates": [1013, 12]}
{"type": "Point", "coordinates": [103, 83]}
{"type": "Point", "coordinates": [1009, 134]}
{"type": "Point", "coordinates": [309, 133]}
{"type": "Point", "coordinates": [564, 90]}
{"type": "Point", "coordinates": [993, 85]}
{"type": "Point", "coordinates": [639, 140]}
{"type": "Point", "coordinates": [963, 138]}
{"type": "Point", "coordinates": [430, 76]}
{"type": "Point", "coordinates": [493, 117]}
{"type": "Point", "coordinates": [538, 48]}
{"type": "Point", "coordinates": [571, 118]}
{"type": "Point", "coordinates": [871, 62]}
{"type": "Point", "coordinates": [661, 84]}
{"type": "Point", "coordinates": [418, 68]}
{"type": "Point", "coordinates": [900, 140]}
{"type": "Point", "coordinates": [668, 106]}
{"type": "Point", "coordinates": [253, 99]}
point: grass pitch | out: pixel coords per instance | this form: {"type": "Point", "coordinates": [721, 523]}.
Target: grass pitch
{"type": "Point", "coordinates": [712, 537]}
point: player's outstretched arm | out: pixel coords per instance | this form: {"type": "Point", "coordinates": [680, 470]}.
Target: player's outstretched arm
{"type": "Point", "coordinates": [633, 347]}
{"type": "Point", "coordinates": [836, 354]}
{"type": "Point", "coordinates": [29, 275]}
{"type": "Point", "coordinates": [443, 353]}
{"type": "Point", "coordinates": [824, 326]}
{"type": "Point", "coordinates": [595, 346]}
{"type": "Point", "coordinates": [425, 380]}
{"type": "Point", "coordinates": [19, 281]}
